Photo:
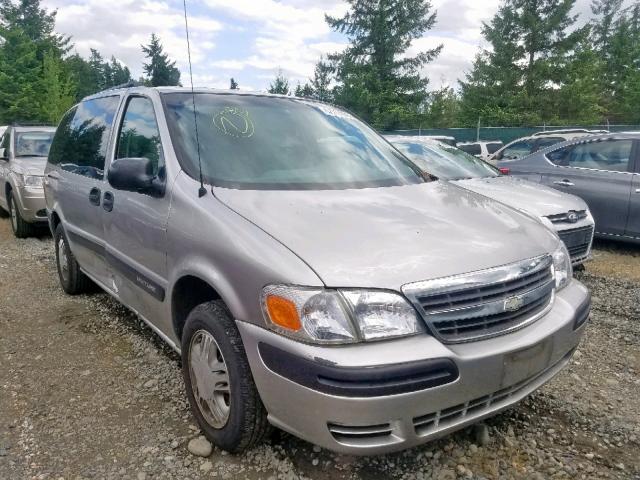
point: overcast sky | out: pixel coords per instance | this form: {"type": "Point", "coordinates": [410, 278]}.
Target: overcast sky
{"type": "Point", "coordinates": [250, 39]}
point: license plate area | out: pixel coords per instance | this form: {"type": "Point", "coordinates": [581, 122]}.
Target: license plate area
{"type": "Point", "coordinates": [526, 363]}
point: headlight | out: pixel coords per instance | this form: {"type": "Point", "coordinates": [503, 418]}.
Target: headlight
{"type": "Point", "coordinates": [338, 316]}
{"type": "Point", "coordinates": [32, 181]}
{"type": "Point", "coordinates": [380, 314]}
{"type": "Point", "coordinates": [562, 266]}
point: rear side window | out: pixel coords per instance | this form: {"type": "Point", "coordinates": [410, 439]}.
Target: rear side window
{"type": "Point", "coordinates": [611, 155]}
{"type": "Point", "coordinates": [494, 147]}
{"type": "Point", "coordinates": [547, 142]}
{"type": "Point", "coordinates": [81, 140]}
{"type": "Point", "coordinates": [472, 149]}
{"type": "Point", "coordinates": [518, 149]}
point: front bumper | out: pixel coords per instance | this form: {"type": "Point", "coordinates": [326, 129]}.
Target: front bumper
{"type": "Point", "coordinates": [32, 204]}
{"type": "Point", "coordinates": [492, 375]}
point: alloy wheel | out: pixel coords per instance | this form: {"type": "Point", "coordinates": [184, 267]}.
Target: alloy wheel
{"type": "Point", "coordinates": [209, 379]}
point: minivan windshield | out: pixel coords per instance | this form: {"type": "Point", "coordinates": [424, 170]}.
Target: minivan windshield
{"type": "Point", "coordinates": [260, 142]}
{"type": "Point", "coordinates": [33, 144]}
{"type": "Point", "coordinates": [446, 162]}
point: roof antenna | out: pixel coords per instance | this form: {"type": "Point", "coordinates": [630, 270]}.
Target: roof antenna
{"type": "Point", "coordinates": [201, 191]}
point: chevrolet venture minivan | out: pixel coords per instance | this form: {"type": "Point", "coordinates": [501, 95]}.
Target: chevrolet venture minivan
{"type": "Point", "coordinates": [310, 275]}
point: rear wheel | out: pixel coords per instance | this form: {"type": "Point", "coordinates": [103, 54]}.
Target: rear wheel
{"type": "Point", "coordinates": [21, 229]}
{"type": "Point", "coordinates": [218, 380]}
{"type": "Point", "coordinates": [72, 280]}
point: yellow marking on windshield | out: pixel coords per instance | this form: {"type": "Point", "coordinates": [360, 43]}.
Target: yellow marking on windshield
{"type": "Point", "coordinates": [235, 122]}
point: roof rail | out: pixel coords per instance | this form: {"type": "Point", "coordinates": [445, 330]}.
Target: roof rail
{"type": "Point", "coordinates": [31, 124]}
{"type": "Point", "coordinates": [567, 130]}
{"type": "Point", "coordinates": [129, 84]}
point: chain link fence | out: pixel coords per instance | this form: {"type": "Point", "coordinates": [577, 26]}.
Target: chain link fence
{"type": "Point", "coordinates": [506, 134]}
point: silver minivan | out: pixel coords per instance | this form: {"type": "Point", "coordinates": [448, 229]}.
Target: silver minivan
{"type": "Point", "coordinates": [311, 277]}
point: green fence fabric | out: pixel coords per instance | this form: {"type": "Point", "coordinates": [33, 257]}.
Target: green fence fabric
{"type": "Point", "coordinates": [506, 134]}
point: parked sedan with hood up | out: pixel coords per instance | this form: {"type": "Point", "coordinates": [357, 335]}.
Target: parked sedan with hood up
{"type": "Point", "coordinates": [567, 214]}
{"type": "Point", "coordinates": [310, 275]}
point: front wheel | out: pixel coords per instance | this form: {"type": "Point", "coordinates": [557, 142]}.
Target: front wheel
{"type": "Point", "coordinates": [218, 380]}
{"type": "Point", "coordinates": [72, 280]}
{"type": "Point", "coordinates": [21, 229]}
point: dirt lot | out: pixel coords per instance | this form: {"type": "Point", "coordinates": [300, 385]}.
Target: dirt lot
{"type": "Point", "coordinates": [87, 391]}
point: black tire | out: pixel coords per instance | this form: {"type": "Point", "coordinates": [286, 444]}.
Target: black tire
{"type": "Point", "coordinates": [73, 281]}
{"type": "Point", "coordinates": [3, 213]}
{"type": "Point", "coordinates": [21, 229]}
{"type": "Point", "coordinates": [247, 423]}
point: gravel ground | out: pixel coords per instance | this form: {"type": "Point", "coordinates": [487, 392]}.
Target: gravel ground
{"type": "Point", "coordinates": [87, 391]}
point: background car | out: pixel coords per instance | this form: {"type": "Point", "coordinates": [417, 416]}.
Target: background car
{"type": "Point", "coordinates": [23, 157]}
{"type": "Point", "coordinates": [481, 149]}
{"type": "Point", "coordinates": [604, 170]}
{"type": "Point", "coordinates": [526, 145]}
{"type": "Point", "coordinates": [567, 214]}
{"type": "Point", "coordinates": [2, 129]}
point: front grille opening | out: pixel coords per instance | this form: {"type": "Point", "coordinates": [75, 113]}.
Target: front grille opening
{"type": "Point", "coordinates": [577, 241]}
{"type": "Point", "coordinates": [465, 298]}
{"type": "Point", "coordinates": [362, 434]}
{"type": "Point", "coordinates": [487, 303]}
{"type": "Point", "coordinates": [434, 421]}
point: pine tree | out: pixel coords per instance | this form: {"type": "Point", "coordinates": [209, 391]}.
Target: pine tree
{"type": "Point", "coordinates": [233, 84]}
{"type": "Point", "coordinates": [27, 36]}
{"type": "Point", "coordinates": [280, 84]}
{"type": "Point", "coordinates": [160, 70]}
{"type": "Point", "coordinates": [375, 77]}
{"type": "Point", "coordinates": [57, 91]}
{"type": "Point", "coordinates": [321, 81]}
{"type": "Point", "coordinates": [516, 81]}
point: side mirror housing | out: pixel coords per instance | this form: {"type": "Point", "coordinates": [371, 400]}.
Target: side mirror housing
{"type": "Point", "coordinates": [135, 175]}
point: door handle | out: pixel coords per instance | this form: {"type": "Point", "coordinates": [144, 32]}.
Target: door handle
{"type": "Point", "coordinates": [107, 201]}
{"type": "Point", "coordinates": [94, 196]}
{"type": "Point", "coordinates": [52, 176]}
{"type": "Point", "coordinates": [564, 183]}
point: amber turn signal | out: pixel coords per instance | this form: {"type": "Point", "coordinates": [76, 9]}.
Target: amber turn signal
{"type": "Point", "coordinates": [283, 313]}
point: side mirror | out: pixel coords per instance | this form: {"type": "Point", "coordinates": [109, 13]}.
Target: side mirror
{"type": "Point", "coordinates": [135, 175]}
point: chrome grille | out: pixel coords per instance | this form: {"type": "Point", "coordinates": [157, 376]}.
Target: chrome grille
{"type": "Point", "coordinates": [487, 303]}
{"type": "Point", "coordinates": [578, 241]}
{"type": "Point", "coordinates": [572, 216]}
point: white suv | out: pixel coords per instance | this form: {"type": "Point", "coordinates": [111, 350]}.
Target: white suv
{"type": "Point", "coordinates": [482, 149]}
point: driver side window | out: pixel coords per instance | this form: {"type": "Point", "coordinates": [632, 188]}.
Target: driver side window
{"type": "Point", "coordinates": [139, 136]}
{"type": "Point", "coordinates": [6, 143]}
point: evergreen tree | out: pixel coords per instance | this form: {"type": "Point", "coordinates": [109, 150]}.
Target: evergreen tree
{"type": "Point", "coordinates": [320, 84]}
{"type": "Point", "coordinates": [375, 78]}
{"type": "Point", "coordinates": [280, 84]}
{"type": "Point", "coordinates": [57, 90]}
{"type": "Point", "coordinates": [27, 36]}
{"type": "Point", "coordinates": [532, 43]}
{"type": "Point", "coordinates": [442, 109]}
{"type": "Point", "coordinates": [160, 70]}
{"type": "Point", "coordinates": [233, 85]}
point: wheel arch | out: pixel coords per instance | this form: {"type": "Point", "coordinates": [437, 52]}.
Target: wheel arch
{"type": "Point", "coordinates": [189, 291]}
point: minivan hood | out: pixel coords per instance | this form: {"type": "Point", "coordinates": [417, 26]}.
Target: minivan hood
{"type": "Point", "coordinates": [387, 237]}
{"type": "Point", "coordinates": [29, 165]}
{"type": "Point", "coordinates": [534, 198]}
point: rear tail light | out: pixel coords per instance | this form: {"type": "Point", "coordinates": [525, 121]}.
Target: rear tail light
{"type": "Point", "coordinates": [504, 170]}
